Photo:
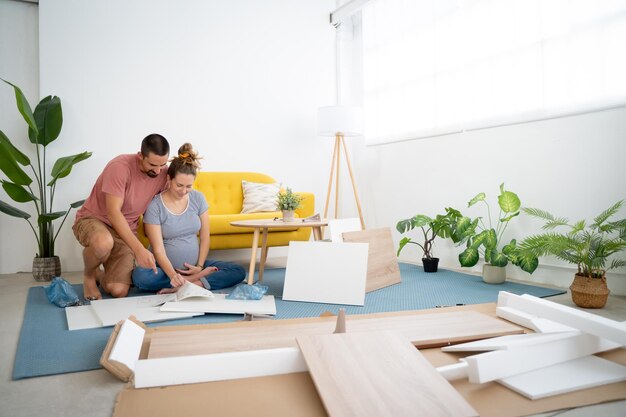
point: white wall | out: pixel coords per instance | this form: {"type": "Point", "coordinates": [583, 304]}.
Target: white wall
{"type": "Point", "coordinates": [241, 80]}
{"type": "Point", "coordinates": [19, 64]}
{"type": "Point", "coordinates": [572, 167]}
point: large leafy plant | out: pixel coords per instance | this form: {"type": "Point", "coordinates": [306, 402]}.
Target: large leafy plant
{"type": "Point", "coordinates": [44, 126]}
{"type": "Point", "coordinates": [441, 225]}
{"type": "Point", "coordinates": [483, 236]}
{"type": "Point", "coordinates": [587, 246]}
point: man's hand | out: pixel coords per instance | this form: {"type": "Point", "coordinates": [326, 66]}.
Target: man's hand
{"type": "Point", "coordinates": [145, 259]}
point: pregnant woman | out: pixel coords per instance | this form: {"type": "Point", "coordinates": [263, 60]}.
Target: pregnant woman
{"type": "Point", "coordinates": [172, 222]}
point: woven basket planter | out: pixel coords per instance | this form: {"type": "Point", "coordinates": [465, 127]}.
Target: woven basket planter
{"type": "Point", "coordinates": [44, 269]}
{"type": "Point", "coordinates": [589, 292]}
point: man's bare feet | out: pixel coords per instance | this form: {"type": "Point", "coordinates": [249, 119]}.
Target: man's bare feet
{"type": "Point", "coordinates": [90, 288]}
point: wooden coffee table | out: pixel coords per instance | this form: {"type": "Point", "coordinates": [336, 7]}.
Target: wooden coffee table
{"type": "Point", "coordinates": [265, 225]}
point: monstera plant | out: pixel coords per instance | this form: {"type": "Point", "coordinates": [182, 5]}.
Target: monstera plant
{"type": "Point", "coordinates": [484, 236]}
{"type": "Point", "coordinates": [44, 126]}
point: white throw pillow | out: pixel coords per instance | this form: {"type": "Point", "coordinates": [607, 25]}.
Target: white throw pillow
{"type": "Point", "coordinates": [259, 197]}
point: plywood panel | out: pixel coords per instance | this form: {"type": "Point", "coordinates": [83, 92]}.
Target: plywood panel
{"type": "Point", "coordinates": [435, 329]}
{"type": "Point", "coordinates": [377, 374]}
{"type": "Point", "coordinates": [382, 262]}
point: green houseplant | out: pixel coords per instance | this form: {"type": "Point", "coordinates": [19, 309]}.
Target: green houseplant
{"type": "Point", "coordinates": [588, 246]}
{"type": "Point", "coordinates": [44, 126]}
{"type": "Point", "coordinates": [287, 202]}
{"type": "Point", "coordinates": [431, 228]}
{"type": "Point", "coordinates": [484, 236]}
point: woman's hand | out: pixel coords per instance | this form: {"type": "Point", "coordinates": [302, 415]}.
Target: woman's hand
{"type": "Point", "coordinates": [195, 272]}
{"type": "Point", "coordinates": [177, 280]}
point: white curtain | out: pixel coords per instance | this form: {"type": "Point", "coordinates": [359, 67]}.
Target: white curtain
{"type": "Point", "coordinates": [432, 67]}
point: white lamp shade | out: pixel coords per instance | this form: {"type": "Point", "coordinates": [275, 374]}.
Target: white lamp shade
{"type": "Point", "coordinates": [346, 120]}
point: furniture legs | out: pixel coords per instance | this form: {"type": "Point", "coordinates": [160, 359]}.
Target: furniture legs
{"type": "Point", "coordinates": [255, 244]}
{"type": "Point", "coordinates": [263, 254]}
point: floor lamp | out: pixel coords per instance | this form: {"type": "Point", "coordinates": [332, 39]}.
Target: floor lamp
{"type": "Point", "coordinates": [340, 121]}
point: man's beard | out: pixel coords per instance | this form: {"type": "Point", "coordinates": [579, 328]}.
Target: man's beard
{"type": "Point", "coordinates": [152, 174]}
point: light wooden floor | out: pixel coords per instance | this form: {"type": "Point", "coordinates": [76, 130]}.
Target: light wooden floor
{"type": "Point", "coordinates": [93, 393]}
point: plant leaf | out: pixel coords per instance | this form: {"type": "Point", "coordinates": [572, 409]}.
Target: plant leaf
{"type": "Point", "coordinates": [526, 262]}
{"type": "Point", "coordinates": [77, 204]}
{"type": "Point", "coordinates": [48, 217]}
{"type": "Point", "coordinates": [498, 258]}
{"type": "Point", "coordinates": [402, 244]}
{"type": "Point", "coordinates": [13, 211]}
{"type": "Point", "coordinates": [469, 257]}
{"type": "Point", "coordinates": [49, 118]}
{"type": "Point", "coordinates": [9, 162]}
{"type": "Point", "coordinates": [606, 214]}
{"type": "Point", "coordinates": [476, 199]}
{"type": "Point", "coordinates": [506, 219]}
{"type": "Point", "coordinates": [63, 166]}
{"type": "Point", "coordinates": [23, 106]}
{"type": "Point", "coordinates": [17, 192]}
{"type": "Point", "coordinates": [19, 157]}
{"type": "Point", "coordinates": [509, 202]}
{"type": "Point", "coordinates": [510, 248]}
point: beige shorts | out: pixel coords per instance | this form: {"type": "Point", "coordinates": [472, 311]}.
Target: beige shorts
{"type": "Point", "coordinates": [119, 265]}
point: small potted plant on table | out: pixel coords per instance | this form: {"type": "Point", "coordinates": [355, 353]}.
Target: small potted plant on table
{"type": "Point", "coordinates": [287, 202]}
{"type": "Point", "coordinates": [586, 246]}
{"type": "Point", "coordinates": [431, 228]}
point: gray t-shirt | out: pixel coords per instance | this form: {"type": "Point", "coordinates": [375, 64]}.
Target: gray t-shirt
{"type": "Point", "coordinates": [180, 231]}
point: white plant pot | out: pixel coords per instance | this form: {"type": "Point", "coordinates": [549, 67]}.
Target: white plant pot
{"type": "Point", "coordinates": [288, 216]}
{"type": "Point", "coordinates": [494, 274]}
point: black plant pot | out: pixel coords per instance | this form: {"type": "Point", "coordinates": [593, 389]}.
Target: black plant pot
{"type": "Point", "coordinates": [430, 265]}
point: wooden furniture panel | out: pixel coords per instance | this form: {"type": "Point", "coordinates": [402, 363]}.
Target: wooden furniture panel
{"type": "Point", "coordinates": [378, 374]}
{"type": "Point", "coordinates": [423, 330]}
{"type": "Point", "coordinates": [382, 262]}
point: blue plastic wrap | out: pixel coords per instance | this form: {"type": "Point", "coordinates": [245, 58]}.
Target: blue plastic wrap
{"type": "Point", "coordinates": [248, 292]}
{"type": "Point", "coordinates": [61, 293]}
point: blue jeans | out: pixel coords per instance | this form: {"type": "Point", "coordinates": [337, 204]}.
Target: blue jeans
{"type": "Point", "coordinates": [227, 275]}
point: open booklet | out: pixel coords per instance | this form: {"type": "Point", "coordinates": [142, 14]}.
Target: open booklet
{"type": "Point", "coordinates": [189, 290]}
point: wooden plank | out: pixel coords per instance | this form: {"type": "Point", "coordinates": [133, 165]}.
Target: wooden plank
{"type": "Point", "coordinates": [574, 375]}
{"type": "Point", "coordinates": [217, 367]}
{"type": "Point", "coordinates": [377, 374]}
{"type": "Point", "coordinates": [382, 262]}
{"type": "Point", "coordinates": [423, 330]}
{"type": "Point", "coordinates": [581, 320]}
{"type": "Point", "coordinates": [500, 364]}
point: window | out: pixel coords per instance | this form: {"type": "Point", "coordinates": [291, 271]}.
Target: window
{"type": "Point", "coordinates": [433, 67]}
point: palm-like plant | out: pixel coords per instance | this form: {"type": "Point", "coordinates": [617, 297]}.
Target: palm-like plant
{"type": "Point", "coordinates": [44, 126]}
{"type": "Point", "coordinates": [587, 246]}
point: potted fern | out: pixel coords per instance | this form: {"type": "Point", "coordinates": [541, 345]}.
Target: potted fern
{"type": "Point", "coordinates": [288, 202]}
{"type": "Point", "coordinates": [44, 126]}
{"type": "Point", "coordinates": [431, 228]}
{"type": "Point", "coordinates": [588, 246]}
{"type": "Point", "coordinates": [483, 236]}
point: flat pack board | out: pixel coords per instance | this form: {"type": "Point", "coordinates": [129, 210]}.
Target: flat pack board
{"type": "Point", "coordinates": [377, 374]}
{"type": "Point", "coordinates": [339, 226]}
{"type": "Point", "coordinates": [144, 308]}
{"type": "Point", "coordinates": [298, 395]}
{"type": "Point", "coordinates": [82, 317]}
{"type": "Point", "coordinates": [574, 375]}
{"type": "Point", "coordinates": [423, 330]}
{"type": "Point", "coordinates": [326, 272]}
{"type": "Point", "coordinates": [382, 263]}
{"type": "Point", "coordinates": [219, 304]}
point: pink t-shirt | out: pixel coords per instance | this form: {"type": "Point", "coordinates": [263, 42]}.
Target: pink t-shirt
{"type": "Point", "coordinates": [122, 178]}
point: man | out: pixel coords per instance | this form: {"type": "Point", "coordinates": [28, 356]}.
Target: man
{"type": "Point", "coordinates": [106, 224]}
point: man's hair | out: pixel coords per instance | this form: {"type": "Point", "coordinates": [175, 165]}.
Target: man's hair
{"type": "Point", "coordinates": [156, 144]}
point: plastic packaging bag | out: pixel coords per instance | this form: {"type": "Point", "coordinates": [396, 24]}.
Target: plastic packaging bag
{"type": "Point", "coordinates": [61, 293]}
{"type": "Point", "coordinates": [248, 292]}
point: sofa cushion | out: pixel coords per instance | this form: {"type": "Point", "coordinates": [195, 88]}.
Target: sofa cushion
{"type": "Point", "coordinates": [220, 223]}
{"type": "Point", "coordinates": [223, 190]}
{"type": "Point", "coordinates": [259, 197]}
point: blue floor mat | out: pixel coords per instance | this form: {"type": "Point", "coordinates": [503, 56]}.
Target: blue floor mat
{"type": "Point", "coordinates": [47, 347]}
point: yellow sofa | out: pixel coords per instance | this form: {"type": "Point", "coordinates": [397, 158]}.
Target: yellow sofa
{"type": "Point", "coordinates": [224, 193]}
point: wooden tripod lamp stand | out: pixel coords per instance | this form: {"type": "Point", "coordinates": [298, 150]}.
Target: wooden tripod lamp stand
{"type": "Point", "coordinates": [340, 121]}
